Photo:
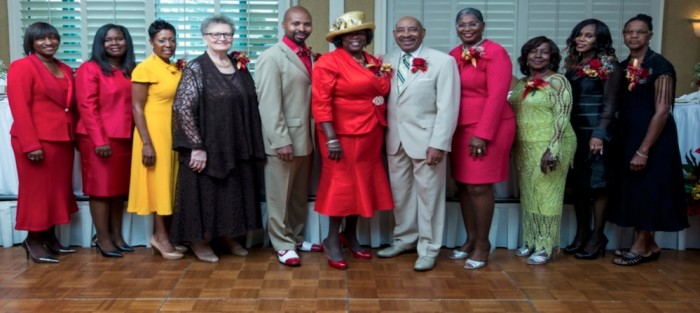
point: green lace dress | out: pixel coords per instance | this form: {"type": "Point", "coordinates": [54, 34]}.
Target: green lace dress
{"type": "Point", "coordinates": [542, 123]}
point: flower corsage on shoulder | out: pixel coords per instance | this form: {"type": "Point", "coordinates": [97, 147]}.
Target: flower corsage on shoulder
{"type": "Point", "coordinates": [419, 64]}
{"type": "Point", "coordinates": [241, 59]}
{"type": "Point", "coordinates": [596, 68]}
{"type": "Point", "coordinates": [636, 74]}
{"type": "Point", "coordinates": [534, 84]}
{"type": "Point", "coordinates": [381, 69]}
{"type": "Point", "coordinates": [471, 55]}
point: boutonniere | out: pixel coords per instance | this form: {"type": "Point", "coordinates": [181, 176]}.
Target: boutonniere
{"type": "Point", "coordinates": [636, 74]}
{"type": "Point", "coordinates": [419, 64]}
{"type": "Point", "coordinates": [533, 85]}
{"type": "Point", "coordinates": [595, 68]}
{"type": "Point", "coordinates": [315, 56]}
{"type": "Point", "coordinates": [382, 70]}
{"type": "Point", "coordinates": [180, 64]}
{"type": "Point", "coordinates": [241, 59]}
{"type": "Point", "coordinates": [471, 55]}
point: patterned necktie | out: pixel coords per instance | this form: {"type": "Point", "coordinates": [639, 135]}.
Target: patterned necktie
{"type": "Point", "coordinates": [304, 52]}
{"type": "Point", "coordinates": [403, 69]}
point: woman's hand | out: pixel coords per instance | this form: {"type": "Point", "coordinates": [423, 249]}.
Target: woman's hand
{"type": "Point", "coordinates": [198, 160]}
{"type": "Point", "coordinates": [596, 146]}
{"type": "Point", "coordinates": [104, 151]}
{"type": "Point", "coordinates": [639, 161]}
{"type": "Point", "coordinates": [335, 150]}
{"type": "Point", "coordinates": [477, 147]}
{"type": "Point", "coordinates": [148, 155]}
{"type": "Point", "coordinates": [36, 155]}
{"type": "Point", "coordinates": [548, 162]}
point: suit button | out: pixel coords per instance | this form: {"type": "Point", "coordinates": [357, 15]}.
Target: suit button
{"type": "Point", "coordinates": [67, 110]}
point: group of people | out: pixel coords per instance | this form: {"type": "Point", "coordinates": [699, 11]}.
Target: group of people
{"type": "Point", "coordinates": [205, 129]}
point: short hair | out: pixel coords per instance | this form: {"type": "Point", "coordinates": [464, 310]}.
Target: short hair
{"type": "Point", "coordinates": [554, 56]}
{"type": "Point", "coordinates": [471, 11]}
{"type": "Point", "coordinates": [643, 18]}
{"type": "Point", "coordinates": [216, 19]}
{"type": "Point", "coordinates": [159, 25]}
{"type": "Point", "coordinates": [36, 31]}
{"type": "Point", "coordinates": [338, 40]}
{"type": "Point", "coordinates": [99, 54]}
{"type": "Point", "coordinates": [603, 45]}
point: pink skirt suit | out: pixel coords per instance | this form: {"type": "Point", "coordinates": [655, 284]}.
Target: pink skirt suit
{"type": "Point", "coordinates": [104, 104]}
{"type": "Point", "coordinates": [484, 113]}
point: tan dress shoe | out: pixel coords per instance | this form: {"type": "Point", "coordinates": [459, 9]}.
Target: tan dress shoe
{"type": "Point", "coordinates": [424, 263]}
{"type": "Point", "coordinates": [389, 252]}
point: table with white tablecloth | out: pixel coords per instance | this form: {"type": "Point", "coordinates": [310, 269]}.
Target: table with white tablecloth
{"type": "Point", "coordinates": [376, 231]}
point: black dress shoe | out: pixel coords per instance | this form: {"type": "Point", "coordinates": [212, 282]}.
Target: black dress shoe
{"type": "Point", "coordinates": [106, 254]}
{"type": "Point", "coordinates": [40, 259]}
{"type": "Point", "coordinates": [600, 249]}
{"type": "Point", "coordinates": [57, 248]}
{"type": "Point", "coordinates": [125, 248]}
{"type": "Point", "coordinates": [574, 247]}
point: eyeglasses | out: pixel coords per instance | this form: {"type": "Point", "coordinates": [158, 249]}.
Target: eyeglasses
{"type": "Point", "coordinates": [218, 35]}
{"type": "Point", "coordinates": [636, 32]}
{"type": "Point", "coordinates": [468, 25]}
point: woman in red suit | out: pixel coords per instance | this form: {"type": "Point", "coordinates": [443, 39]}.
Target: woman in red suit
{"type": "Point", "coordinates": [348, 92]}
{"type": "Point", "coordinates": [103, 89]}
{"type": "Point", "coordinates": [485, 132]}
{"type": "Point", "coordinates": [40, 92]}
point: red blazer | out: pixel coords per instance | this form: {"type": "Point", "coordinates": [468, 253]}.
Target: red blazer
{"type": "Point", "coordinates": [40, 109]}
{"type": "Point", "coordinates": [484, 99]}
{"type": "Point", "coordinates": [344, 92]}
{"type": "Point", "coordinates": [104, 104]}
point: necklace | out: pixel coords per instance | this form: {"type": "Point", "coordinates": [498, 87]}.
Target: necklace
{"type": "Point", "coordinates": [360, 61]}
{"type": "Point", "coordinates": [226, 64]}
{"type": "Point", "coordinates": [464, 47]}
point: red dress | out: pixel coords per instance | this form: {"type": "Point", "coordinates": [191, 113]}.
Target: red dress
{"type": "Point", "coordinates": [42, 106]}
{"type": "Point", "coordinates": [348, 95]}
{"type": "Point", "coordinates": [485, 113]}
{"type": "Point", "coordinates": [104, 104]}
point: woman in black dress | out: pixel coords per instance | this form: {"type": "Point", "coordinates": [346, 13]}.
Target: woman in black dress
{"type": "Point", "coordinates": [218, 134]}
{"type": "Point", "coordinates": [650, 194]}
{"type": "Point", "coordinates": [596, 83]}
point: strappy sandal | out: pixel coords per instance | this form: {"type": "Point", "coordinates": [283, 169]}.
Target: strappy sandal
{"type": "Point", "coordinates": [473, 264]}
{"type": "Point", "coordinates": [523, 251]}
{"type": "Point", "coordinates": [538, 258]}
{"type": "Point", "coordinates": [458, 254]}
{"type": "Point", "coordinates": [633, 258]}
{"type": "Point", "coordinates": [621, 252]}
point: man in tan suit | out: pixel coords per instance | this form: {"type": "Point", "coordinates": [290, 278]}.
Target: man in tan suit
{"type": "Point", "coordinates": [283, 79]}
{"type": "Point", "coordinates": [422, 115]}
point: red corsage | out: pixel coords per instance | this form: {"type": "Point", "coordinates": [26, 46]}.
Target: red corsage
{"type": "Point", "coordinates": [180, 64]}
{"type": "Point", "coordinates": [636, 74]}
{"type": "Point", "coordinates": [383, 70]}
{"type": "Point", "coordinates": [595, 68]}
{"type": "Point", "coordinates": [533, 85]}
{"type": "Point", "coordinates": [419, 64]}
{"type": "Point", "coordinates": [241, 59]}
{"type": "Point", "coordinates": [471, 55]}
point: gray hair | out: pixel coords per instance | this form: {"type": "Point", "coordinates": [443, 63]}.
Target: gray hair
{"type": "Point", "coordinates": [475, 12]}
{"type": "Point", "coordinates": [216, 19]}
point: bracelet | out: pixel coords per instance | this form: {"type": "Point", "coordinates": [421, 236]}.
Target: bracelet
{"type": "Point", "coordinates": [332, 141]}
{"type": "Point", "coordinates": [641, 154]}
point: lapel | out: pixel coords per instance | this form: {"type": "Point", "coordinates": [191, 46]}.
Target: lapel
{"type": "Point", "coordinates": [294, 58]}
{"type": "Point", "coordinates": [412, 76]}
{"type": "Point", "coordinates": [53, 91]}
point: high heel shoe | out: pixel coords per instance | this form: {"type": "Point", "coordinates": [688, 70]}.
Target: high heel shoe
{"type": "Point", "coordinates": [56, 247]}
{"type": "Point", "coordinates": [41, 259]}
{"type": "Point", "coordinates": [204, 253]}
{"type": "Point", "coordinates": [538, 258]}
{"type": "Point", "coordinates": [356, 254]}
{"type": "Point", "coordinates": [339, 264]}
{"type": "Point", "coordinates": [106, 254]}
{"type": "Point", "coordinates": [523, 251]}
{"type": "Point", "coordinates": [124, 248]}
{"type": "Point", "coordinates": [574, 247]}
{"type": "Point", "coordinates": [175, 255]}
{"type": "Point", "coordinates": [600, 249]}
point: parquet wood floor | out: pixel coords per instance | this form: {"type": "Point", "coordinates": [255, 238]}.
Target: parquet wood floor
{"type": "Point", "coordinates": [141, 282]}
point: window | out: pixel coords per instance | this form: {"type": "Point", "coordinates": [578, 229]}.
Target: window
{"type": "Point", "coordinates": [257, 23]}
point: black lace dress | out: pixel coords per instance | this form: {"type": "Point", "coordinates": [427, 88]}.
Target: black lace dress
{"type": "Point", "coordinates": [593, 115]}
{"type": "Point", "coordinates": [651, 199]}
{"type": "Point", "coordinates": [218, 113]}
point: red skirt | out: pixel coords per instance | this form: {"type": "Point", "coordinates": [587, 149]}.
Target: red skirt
{"type": "Point", "coordinates": [358, 183]}
{"type": "Point", "coordinates": [105, 177]}
{"type": "Point", "coordinates": [493, 167]}
{"type": "Point", "coordinates": [45, 197]}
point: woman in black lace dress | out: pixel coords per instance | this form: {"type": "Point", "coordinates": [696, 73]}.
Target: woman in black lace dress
{"type": "Point", "coordinates": [217, 132]}
{"type": "Point", "coordinates": [650, 196]}
{"type": "Point", "coordinates": [596, 83]}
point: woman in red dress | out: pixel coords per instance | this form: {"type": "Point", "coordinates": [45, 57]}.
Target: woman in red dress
{"type": "Point", "coordinates": [348, 92]}
{"type": "Point", "coordinates": [485, 132]}
{"type": "Point", "coordinates": [103, 89]}
{"type": "Point", "coordinates": [40, 92]}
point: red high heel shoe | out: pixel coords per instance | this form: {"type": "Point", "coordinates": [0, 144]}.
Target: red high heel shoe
{"type": "Point", "coordinates": [357, 254]}
{"type": "Point", "coordinates": [340, 264]}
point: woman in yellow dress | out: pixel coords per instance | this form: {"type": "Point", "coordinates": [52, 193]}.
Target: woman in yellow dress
{"type": "Point", "coordinates": [154, 163]}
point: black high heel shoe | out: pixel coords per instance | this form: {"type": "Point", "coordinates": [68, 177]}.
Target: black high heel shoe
{"type": "Point", "coordinates": [106, 254]}
{"type": "Point", "coordinates": [41, 259]}
{"type": "Point", "coordinates": [56, 247]}
{"type": "Point", "coordinates": [124, 248]}
{"type": "Point", "coordinates": [600, 249]}
{"type": "Point", "coordinates": [574, 247]}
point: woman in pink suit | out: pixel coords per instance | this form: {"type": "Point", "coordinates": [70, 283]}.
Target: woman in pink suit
{"type": "Point", "coordinates": [485, 132]}
{"type": "Point", "coordinates": [103, 89]}
{"type": "Point", "coordinates": [348, 93]}
{"type": "Point", "coordinates": [40, 92]}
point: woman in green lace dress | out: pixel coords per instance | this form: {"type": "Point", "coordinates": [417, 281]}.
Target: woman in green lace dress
{"type": "Point", "coordinates": [544, 145]}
